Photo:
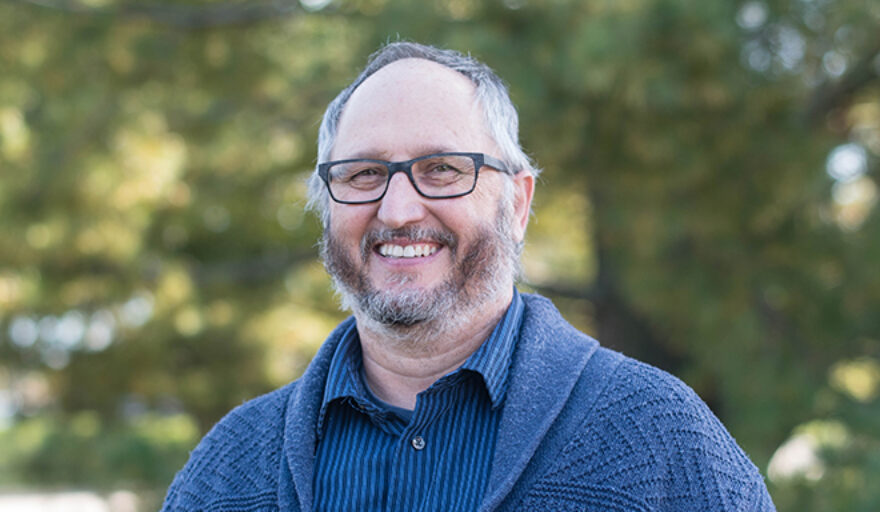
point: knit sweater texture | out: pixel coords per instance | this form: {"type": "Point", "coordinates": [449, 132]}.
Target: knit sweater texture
{"type": "Point", "coordinates": [583, 428]}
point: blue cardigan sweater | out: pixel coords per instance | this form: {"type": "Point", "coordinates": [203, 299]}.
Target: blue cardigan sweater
{"type": "Point", "coordinates": [583, 428]}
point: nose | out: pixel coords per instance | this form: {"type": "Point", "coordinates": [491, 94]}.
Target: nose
{"type": "Point", "coordinates": [402, 203]}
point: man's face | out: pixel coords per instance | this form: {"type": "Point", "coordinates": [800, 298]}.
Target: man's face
{"type": "Point", "coordinates": [456, 253]}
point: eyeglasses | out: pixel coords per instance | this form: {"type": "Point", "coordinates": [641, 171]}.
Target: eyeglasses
{"type": "Point", "coordinates": [437, 176]}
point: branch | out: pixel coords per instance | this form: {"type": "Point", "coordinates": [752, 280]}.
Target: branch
{"type": "Point", "coordinates": [181, 16]}
{"type": "Point", "coordinates": [834, 93]}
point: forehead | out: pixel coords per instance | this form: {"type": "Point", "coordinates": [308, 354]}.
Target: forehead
{"type": "Point", "coordinates": [409, 108]}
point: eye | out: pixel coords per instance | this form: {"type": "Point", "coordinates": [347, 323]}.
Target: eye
{"type": "Point", "coordinates": [359, 174]}
{"type": "Point", "coordinates": [443, 168]}
{"type": "Point", "coordinates": [366, 173]}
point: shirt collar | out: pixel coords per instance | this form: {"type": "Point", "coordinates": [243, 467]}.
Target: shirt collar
{"type": "Point", "coordinates": [491, 361]}
{"type": "Point", "coordinates": [343, 379]}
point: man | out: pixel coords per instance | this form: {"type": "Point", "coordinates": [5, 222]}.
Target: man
{"type": "Point", "coordinates": [448, 389]}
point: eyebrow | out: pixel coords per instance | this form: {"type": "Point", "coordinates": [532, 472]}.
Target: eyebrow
{"type": "Point", "coordinates": [385, 155]}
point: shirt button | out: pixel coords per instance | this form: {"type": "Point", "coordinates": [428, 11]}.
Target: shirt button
{"type": "Point", "coordinates": [418, 443]}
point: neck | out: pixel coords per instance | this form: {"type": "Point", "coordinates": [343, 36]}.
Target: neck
{"type": "Point", "coordinates": [400, 364]}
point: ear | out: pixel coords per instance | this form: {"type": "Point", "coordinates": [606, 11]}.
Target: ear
{"type": "Point", "coordinates": [524, 189]}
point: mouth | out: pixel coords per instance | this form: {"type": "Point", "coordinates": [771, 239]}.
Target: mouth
{"type": "Point", "coordinates": [406, 244]}
{"type": "Point", "coordinates": [407, 251]}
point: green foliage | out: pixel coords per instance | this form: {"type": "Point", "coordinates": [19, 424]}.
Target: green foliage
{"type": "Point", "coordinates": [830, 464]}
{"type": "Point", "coordinates": [154, 254]}
{"type": "Point", "coordinates": [80, 451]}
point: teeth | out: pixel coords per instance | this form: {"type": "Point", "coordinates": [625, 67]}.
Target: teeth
{"type": "Point", "coordinates": [409, 251]}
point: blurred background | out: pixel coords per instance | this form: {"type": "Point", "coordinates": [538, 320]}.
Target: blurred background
{"type": "Point", "coordinates": [709, 205]}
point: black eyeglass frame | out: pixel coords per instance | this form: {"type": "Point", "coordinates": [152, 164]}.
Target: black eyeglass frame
{"type": "Point", "coordinates": [480, 160]}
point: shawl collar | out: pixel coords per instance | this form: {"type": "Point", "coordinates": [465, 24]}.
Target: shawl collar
{"type": "Point", "coordinates": [549, 359]}
{"type": "Point", "coordinates": [300, 429]}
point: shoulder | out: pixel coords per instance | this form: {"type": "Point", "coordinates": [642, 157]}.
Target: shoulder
{"type": "Point", "coordinates": [649, 438]}
{"type": "Point", "coordinates": [635, 390]}
{"type": "Point", "coordinates": [236, 466]}
{"type": "Point", "coordinates": [238, 459]}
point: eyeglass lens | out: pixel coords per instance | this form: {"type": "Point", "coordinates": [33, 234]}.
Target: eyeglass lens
{"type": "Point", "coordinates": [435, 176]}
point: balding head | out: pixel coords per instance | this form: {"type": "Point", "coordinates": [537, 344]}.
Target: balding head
{"type": "Point", "coordinates": [409, 108]}
{"type": "Point", "coordinates": [498, 113]}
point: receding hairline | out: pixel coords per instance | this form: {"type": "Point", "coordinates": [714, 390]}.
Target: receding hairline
{"type": "Point", "coordinates": [492, 98]}
{"type": "Point", "coordinates": [415, 66]}
{"type": "Point", "coordinates": [415, 72]}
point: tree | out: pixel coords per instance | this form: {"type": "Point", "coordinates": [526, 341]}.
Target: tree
{"type": "Point", "coordinates": [707, 201]}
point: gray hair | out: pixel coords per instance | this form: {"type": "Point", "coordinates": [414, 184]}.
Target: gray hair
{"type": "Point", "coordinates": [491, 95]}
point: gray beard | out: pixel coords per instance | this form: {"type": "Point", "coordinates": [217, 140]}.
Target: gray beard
{"type": "Point", "coordinates": [479, 273]}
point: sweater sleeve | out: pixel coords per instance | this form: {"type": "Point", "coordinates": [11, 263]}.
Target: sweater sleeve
{"type": "Point", "coordinates": [236, 465]}
{"type": "Point", "coordinates": [650, 444]}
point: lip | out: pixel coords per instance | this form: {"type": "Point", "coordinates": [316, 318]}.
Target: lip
{"type": "Point", "coordinates": [408, 262]}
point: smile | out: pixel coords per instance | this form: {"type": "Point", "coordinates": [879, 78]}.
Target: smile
{"type": "Point", "coordinates": [407, 251]}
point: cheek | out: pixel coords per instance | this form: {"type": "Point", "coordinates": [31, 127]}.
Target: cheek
{"type": "Point", "coordinates": [467, 224]}
{"type": "Point", "coordinates": [476, 210]}
{"type": "Point", "coordinates": [457, 215]}
{"type": "Point", "coordinates": [349, 222]}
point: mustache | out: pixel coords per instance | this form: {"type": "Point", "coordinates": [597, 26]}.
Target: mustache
{"type": "Point", "coordinates": [378, 236]}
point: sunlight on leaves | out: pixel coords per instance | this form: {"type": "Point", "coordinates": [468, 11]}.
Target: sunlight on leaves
{"type": "Point", "coordinates": [175, 287]}
{"type": "Point", "coordinates": [857, 378]}
{"type": "Point", "coordinates": [11, 290]}
{"type": "Point", "coordinates": [291, 334]}
{"type": "Point", "coordinates": [800, 456]}
{"type": "Point", "coordinates": [459, 9]}
{"type": "Point", "coordinates": [109, 237]}
{"type": "Point", "coordinates": [14, 134]}
{"type": "Point", "coordinates": [853, 202]}
{"type": "Point", "coordinates": [153, 159]}
{"type": "Point", "coordinates": [189, 321]}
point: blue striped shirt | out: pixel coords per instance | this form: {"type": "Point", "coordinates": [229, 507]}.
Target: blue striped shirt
{"type": "Point", "coordinates": [370, 457]}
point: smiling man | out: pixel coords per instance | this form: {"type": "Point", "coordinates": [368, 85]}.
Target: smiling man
{"type": "Point", "coordinates": [448, 389]}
